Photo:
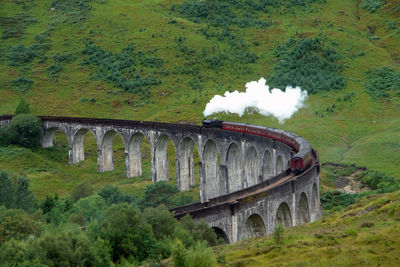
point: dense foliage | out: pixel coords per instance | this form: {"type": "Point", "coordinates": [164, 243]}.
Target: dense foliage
{"type": "Point", "coordinates": [120, 69]}
{"type": "Point", "coordinates": [309, 63]}
{"type": "Point", "coordinates": [372, 5]}
{"type": "Point", "coordinates": [24, 130]}
{"type": "Point", "coordinates": [382, 82]}
{"type": "Point", "coordinates": [23, 107]}
{"type": "Point", "coordinates": [96, 230]}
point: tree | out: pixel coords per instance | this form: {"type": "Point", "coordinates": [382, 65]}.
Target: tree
{"type": "Point", "coordinates": [158, 193]}
{"type": "Point", "coordinates": [80, 191]}
{"type": "Point", "coordinates": [25, 199]}
{"type": "Point", "coordinates": [112, 195]}
{"type": "Point", "coordinates": [161, 220]}
{"type": "Point", "coordinates": [92, 207]}
{"type": "Point", "coordinates": [23, 107]}
{"type": "Point", "coordinates": [18, 226]}
{"type": "Point", "coordinates": [7, 192]}
{"type": "Point", "coordinates": [128, 233]}
{"type": "Point", "coordinates": [26, 130]}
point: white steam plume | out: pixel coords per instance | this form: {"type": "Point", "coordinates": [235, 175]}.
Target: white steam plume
{"type": "Point", "coordinates": [281, 105]}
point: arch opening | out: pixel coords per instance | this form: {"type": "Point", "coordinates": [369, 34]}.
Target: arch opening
{"type": "Point", "coordinates": [138, 150]}
{"type": "Point", "coordinates": [221, 235]}
{"type": "Point", "coordinates": [51, 134]}
{"type": "Point", "coordinates": [187, 164]}
{"type": "Point", "coordinates": [213, 184]}
{"type": "Point", "coordinates": [233, 164]}
{"type": "Point", "coordinates": [254, 227]}
{"type": "Point", "coordinates": [251, 167]}
{"type": "Point", "coordinates": [283, 215]}
{"type": "Point", "coordinates": [108, 147]}
{"type": "Point", "coordinates": [280, 165]}
{"type": "Point", "coordinates": [303, 214]}
{"type": "Point", "coordinates": [267, 168]}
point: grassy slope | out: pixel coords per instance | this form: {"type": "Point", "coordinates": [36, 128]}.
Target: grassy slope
{"type": "Point", "coordinates": [341, 239]}
{"type": "Point", "coordinates": [364, 132]}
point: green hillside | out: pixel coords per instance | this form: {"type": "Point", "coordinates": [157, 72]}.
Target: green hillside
{"type": "Point", "coordinates": [365, 234]}
{"type": "Point", "coordinates": [164, 60]}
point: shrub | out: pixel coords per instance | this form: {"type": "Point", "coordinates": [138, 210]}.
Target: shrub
{"type": "Point", "coordinates": [22, 84]}
{"type": "Point", "coordinates": [112, 195]}
{"type": "Point", "coordinates": [277, 235]}
{"type": "Point", "coordinates": [372, 5]}
{"type": "Point", "coordinates": [381, 81]}
{"type": "Point", "coordinates": [14, 27]}
{"type": "Point", "coordinates": [120, 68]}
{"type": "Point", "coordinates": [7, 192]}
{"type": "Point", "coordinates": [128, 233]}
{"type": "Point", "coordinates": [92, 207]}
{"type": "Point", "coordinates": [335, 200]}
{"type": "Point", "coordinates": [26, 130]}
{"type": "Point", "coordinates": [308, 63]}
{"type": "Point", "coordinates": [157, 194]}
{"type": "Point", "coordinates": [23, 107]}
{"type": "Point", "coordinates": [24, 197]}
{"type": "Point", "coordinates": [80, 191]}
{"type": "Point", "coordinates": [379, 181]}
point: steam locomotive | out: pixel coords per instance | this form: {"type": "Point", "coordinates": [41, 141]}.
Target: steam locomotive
{"type": "Point", "coordinates": [298, 162]}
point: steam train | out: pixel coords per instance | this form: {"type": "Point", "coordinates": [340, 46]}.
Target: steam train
{"type": "Point", "coordinates": [298, 162]}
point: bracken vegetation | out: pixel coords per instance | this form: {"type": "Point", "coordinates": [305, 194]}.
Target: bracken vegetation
{"type": "Point", "coordinates": [383, 82]}
{"type": "Point", "coordinates": [122, 69]}
{"type": "Point", "coordinates": [309, 63]}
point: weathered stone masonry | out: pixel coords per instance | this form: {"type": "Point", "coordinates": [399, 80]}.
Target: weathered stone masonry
{"type": "Point", "coordinates": [243, 194]}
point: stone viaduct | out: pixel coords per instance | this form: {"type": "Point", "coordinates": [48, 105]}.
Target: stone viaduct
{"type": "Point", "coordinates": [246, 184]}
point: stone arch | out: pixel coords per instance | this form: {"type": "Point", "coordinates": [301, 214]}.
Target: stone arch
{"type": "Point", "coordinates": [161, 158]}
{"type": "Point", "coordinates": [234, 168]}
{"type": "Point", "coordinates": [78, 148]}
{"type": "Point", "coordinates": [106, 151]}
{"type": "Point", "coordinates": [280, 165]}
{"type": "Point", "coordinates": [303, 212]}
{"type": "Point", "coordinates": [221, 234]}
{"type": "Point", "coordinates": [251, 168]}
{"type": "Point", "coordinates": [213, 185]}
{"type": "Point", "coordinates": [186, 164]}
{"type": "Point", "coordinates": [48, 138]}
{"type": "Point", "coordinates": [267, 166]}
{"type": "Point", "coordinates": [254, 227]}
{"type": "Point", "coordinates": [135, 155]}
{"type": "Point", "coordinates": [283, 215]}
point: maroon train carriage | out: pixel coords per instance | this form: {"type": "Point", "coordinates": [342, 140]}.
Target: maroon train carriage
{"type": "Point", "coordinates": [298, 163]}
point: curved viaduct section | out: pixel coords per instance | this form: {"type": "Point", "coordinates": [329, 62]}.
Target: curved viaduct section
{"type": "Point", "coordinates": [246, 185]}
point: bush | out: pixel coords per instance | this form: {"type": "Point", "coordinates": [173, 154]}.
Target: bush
{"type": "Point", "coordinates": [14, 27]}
{"type": "Point", "coordinates": [379, 181]}
{"type": "Point", "coordinates": [7, 192]}
{"type": "Point", "coordinates": [198, 256]}
{"type": "Point", "coordinates": [277, 235]}
{"type": "Point", "coordinates": [22, 84]}
{"type": "Point", "coordinates": [112, 195]}
{"type": "Point", "coordinates": [157, 194]}
{"type": "Point", "coordinates": [335, 200]}
{"type": "Point", "coordinates": [80, 191]}
{"type": "Point", "coordinates": [128, 233]}
{"type": "Point", "coordinates": [372, 5]}
{"type": "Point", "coordinates": [24, 197]}
{"type": "Point", "coordinates": [308, 63]}
{"type": "Point", "coordinates": [25, 130]}
{"type": "Point", "coordinates": [381, 81]}
{"type": "Point", "coordinates": [120, 68]}
{"type": "Point", "coordinates": [23, 107]}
